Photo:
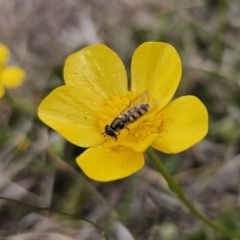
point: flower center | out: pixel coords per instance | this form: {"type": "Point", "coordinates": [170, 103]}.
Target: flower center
{"type": "Point", "coordinates": [130, 117]}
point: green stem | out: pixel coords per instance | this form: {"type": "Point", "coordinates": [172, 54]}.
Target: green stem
{"type": "Point", "coordinates": [59, 212]}
{"type": "Point", "coordinates": [174, 186]}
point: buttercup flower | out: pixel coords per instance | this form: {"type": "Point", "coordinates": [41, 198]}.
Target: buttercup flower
{"type": "Point", "coordinates": [10, 76]}
{"type": "Point", "coordinates": [96, 95]}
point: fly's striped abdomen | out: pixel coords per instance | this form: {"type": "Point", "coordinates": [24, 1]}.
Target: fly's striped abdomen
{"type": "Point", "coordinates": [137, 112]}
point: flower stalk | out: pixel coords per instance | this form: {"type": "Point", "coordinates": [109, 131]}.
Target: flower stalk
{"type": "Point", "coordinates": [175, 187]}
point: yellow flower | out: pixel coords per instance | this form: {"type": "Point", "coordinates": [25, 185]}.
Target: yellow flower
{"type": "Point", "coordinates": [10, 76]}
{"type": "Point", "coordinates": [96, 92]}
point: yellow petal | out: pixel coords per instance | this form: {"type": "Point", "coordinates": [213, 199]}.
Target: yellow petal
{"type": "Point", "coordinates": [73, 112]}
{"type": "Point", "coordinates": [157, 67]}
{"type": "Point", "coordinates": [4, 55]}
{"type": "Point", "coordinates": [185, 122]}
{"type": "Point", "coordinates": [136, 143]}
{"type": "Point", "coordinates": [2, 91]}
{"type": "Point", "coordinates": [12, 77]}
{"type": "Point", "coordinates": [97, 68]}
{"type": "Point", "coordinates": [108, 164]}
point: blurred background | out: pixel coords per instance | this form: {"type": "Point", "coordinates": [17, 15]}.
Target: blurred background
{"type": "Point", "coordinates": [37, 165]}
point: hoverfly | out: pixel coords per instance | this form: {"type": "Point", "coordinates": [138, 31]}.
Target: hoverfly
{"type": "Point", "coordinates": [138, 107]}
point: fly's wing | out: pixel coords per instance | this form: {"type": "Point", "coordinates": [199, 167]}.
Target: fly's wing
{"type": "Point", "coordinates": [143, 98]}
{"type": "Point", "coordinates": [152, 104]}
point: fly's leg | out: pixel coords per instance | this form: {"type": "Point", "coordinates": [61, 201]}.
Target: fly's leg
{"type": "Point", "coordinates": [128, 130]}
